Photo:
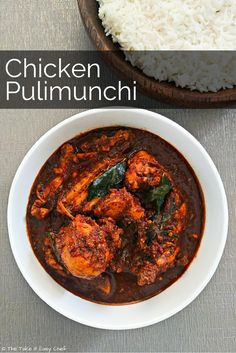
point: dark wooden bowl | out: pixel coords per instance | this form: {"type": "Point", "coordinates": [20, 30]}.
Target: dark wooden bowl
{"type": "Point", "coordinates": [162, 91]}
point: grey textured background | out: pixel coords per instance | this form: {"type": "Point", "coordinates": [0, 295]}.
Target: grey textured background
{"type": "Point", "coordinates": [208, 324]}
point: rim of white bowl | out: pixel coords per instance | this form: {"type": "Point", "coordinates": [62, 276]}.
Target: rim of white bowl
{"type": "Point", "coordinates": [210, 272]}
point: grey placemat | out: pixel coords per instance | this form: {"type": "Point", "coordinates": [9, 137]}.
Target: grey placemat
{"type": "Point", "coordinates": [208, 324]}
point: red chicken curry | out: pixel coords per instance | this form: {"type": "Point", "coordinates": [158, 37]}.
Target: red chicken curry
{"type": "Point", "coordinates": [116, 215]}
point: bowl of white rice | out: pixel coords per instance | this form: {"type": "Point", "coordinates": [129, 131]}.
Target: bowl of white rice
{"type": "Point", "coordinates": [179, 51]}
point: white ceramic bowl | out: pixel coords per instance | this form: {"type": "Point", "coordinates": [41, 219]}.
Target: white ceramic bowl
{"type": "Point", "coordinates": [179, 294]}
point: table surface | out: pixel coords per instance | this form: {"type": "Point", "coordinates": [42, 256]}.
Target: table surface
{"type": "Point", "coordinates": [208, 324]}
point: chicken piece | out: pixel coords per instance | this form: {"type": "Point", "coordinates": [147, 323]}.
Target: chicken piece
{"type": "Point", "coordinates": [143, 171]}
{"type": "Point", "coordinates": [163, 227]}
{"type": "Point", "coordinates": [85, 155]}
{"type": "Point", "coordinates": [166, 260]}
{"type": "Point", "coordinates": [38, 211]}
{"type": "Point", "coordinates": [104, 143]}
{"type": "Point", "coordinates": [150, 270]}
{"type": "Point", "coordinates": [154, 258]}
{"type": "Point", "coordinates": [89, 206]}
{"type": "Point", "coordinates": [158, 240]}
{"type": "Point", "coordinates": [72, 199]}
{"type": "Point", "coordinates": [113, 233]}
{"type": "Point", "coordinates": [83, 247]}
{"type": "Point", "coordinates": [118, 204]}
{"type": "Point", "coordinates": [170, 222]}
{"type": "Point", "coordinates": [67, 156]}
{"type": "Point", "coordinates": [38, 208]}
{"type": "Point", "coordinates": [146, 274]}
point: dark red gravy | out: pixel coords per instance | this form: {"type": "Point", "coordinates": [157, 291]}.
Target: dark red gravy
{"type": "Point", "coordinates": [124, 285]}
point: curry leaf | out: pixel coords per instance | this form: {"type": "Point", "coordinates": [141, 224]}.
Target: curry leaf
{"type": "Point", "coordinates": [164, 233]}
{"type": "Point", "coordinates": [157, 195]}
{"type": "Point", "coordinates": [113, 177]}
{"type": "Point", "coordinates": [175, 235]}
{"type": "Point", "coordinates": [150, 235]}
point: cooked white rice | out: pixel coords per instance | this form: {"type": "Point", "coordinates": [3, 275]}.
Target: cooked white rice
{"type": "Point", "coordinates": [139, 25]}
